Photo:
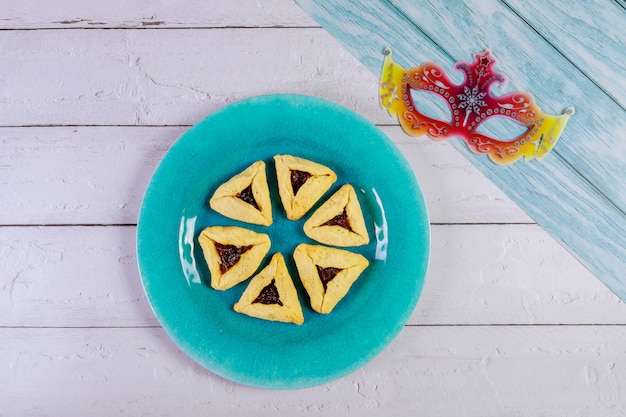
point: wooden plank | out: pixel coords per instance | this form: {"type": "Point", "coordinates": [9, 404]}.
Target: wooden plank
{"type": "Point", "coordinates": [499, 274]}
{"type": "Point", "coordinates": [169, 76]}
{"type": "Point", "coordinates": [78, 175]}
{"type": "Point", "coordinates": [509, 274]}
{"type": "Point", "coordinates": [98, 175]}
{"type": "Point", "coordinates": [579, 32]}
{"type": "Point", "coordinates": [35, 14]}
{"type": "Point", "coordinates": [590, 196]}
{"type": "Point", "coordinates": [489, 372]}
{"type": "Point", "coordinates": [71, 276]}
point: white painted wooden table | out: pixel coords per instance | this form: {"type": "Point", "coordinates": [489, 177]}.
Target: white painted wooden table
{"type": "Point", "coordinates": [91, 97]}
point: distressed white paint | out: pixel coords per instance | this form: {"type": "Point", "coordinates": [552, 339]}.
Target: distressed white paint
{"type": "Point", "coordinates": [97, 175]}
{"type": "Point", "coordinates": [479, 371]}
{"type": "Point", "coordinates": [71, 276]}
{"type": "Point", "coordinates": [37, 14]}
{"type": "Point", "coordinates": [169, 76]}
{"type": "Point", "coordinates": [509, 323]}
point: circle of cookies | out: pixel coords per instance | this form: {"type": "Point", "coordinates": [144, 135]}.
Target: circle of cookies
{"type": "Point", "coordinates": [233, 254]}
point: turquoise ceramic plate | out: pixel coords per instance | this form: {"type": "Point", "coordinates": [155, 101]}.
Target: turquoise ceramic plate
{"type": "Point", "coordinates": [201, 320]}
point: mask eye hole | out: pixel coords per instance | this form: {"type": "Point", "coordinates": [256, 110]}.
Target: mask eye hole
{"type": "Point", "coordinates": [503, 128]}
{"type": "Point", "coordinates": [431, 105]}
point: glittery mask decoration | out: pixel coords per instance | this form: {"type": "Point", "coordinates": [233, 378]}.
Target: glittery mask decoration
{"type": "Point", "coordinates": [470, 104]}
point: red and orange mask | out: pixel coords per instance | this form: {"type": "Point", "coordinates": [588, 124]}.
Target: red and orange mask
{"type": "Point", "coordinates": [470, 104]}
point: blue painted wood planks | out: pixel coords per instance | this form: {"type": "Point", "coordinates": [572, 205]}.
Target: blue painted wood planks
{"type": "Point", "coordinates": [564, 53]}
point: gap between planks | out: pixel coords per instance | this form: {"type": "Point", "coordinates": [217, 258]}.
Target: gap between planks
{"type": "Point", "coordinates": [142, 125]}
{"type": "Point", "coordinates": [478, 325]}
{"type": "Point", "coordinates": [164, 28]}
{"type": "Point", "coordinates": [135, 224]}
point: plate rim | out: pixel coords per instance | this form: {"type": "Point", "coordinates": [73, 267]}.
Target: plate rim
{"type": "Point", "coordinates": [300, 382]}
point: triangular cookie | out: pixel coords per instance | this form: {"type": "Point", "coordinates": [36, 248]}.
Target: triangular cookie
{"type": "Point", "coordinates": [301, 183]}
{"type": "Point", "coordinates": [245, 197]}
{"type": "Point", "coordinates": [339, 221]}
{"type": "Point", "coordinates": [327, 273]}
{"type": "Point", "coordinates": [271, 295]}
{"type": "Point", "coordinates": [232, 253]}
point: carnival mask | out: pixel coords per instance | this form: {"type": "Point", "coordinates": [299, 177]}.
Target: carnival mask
{"type": "Point", "coordinates": [470, 104]}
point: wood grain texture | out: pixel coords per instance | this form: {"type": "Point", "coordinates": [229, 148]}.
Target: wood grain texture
{"type": "Point", "coordinates": [169, 77]}
{"type": "Point", "coordinates": [499, 274]}
{"type": "Point", "coordinates": [581, 35]}
{"type": "Point", "coordinates": [98, 175]}
{"type": "Point", "coordinates": [142, 14]}
{"type": "Point", "coordinates": [579, 184]}
{"type": "Point", "coordinates": [71, 276]}
{"type": "Point", "coordinates": [427, 371]}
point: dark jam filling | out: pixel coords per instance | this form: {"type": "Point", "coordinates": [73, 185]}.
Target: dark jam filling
{"type": "Point", "coordinates": [269, 295]}
{"type": "Point", "coordinates": [298, 178]}
{"type": "Point", "coordinates": [327, 274]}
{"type": "Point", "coordinates": [339, 220]}
{"type": "Point", "coordinates": [229, 255]}
{"type": "Point", "coordinates": [247, 196]}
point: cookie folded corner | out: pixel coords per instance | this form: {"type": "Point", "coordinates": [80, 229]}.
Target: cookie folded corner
{"type": "Point", "coordinates": [327, 273]}
{"type": "Point", "coordinates": [339, 221]}
{"type": "Point", "coordinates": [272, 295]}
{"type": "Point", "coordinates": [233, 254]}
{"type": "Point", "coordinates": [245, 196]}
